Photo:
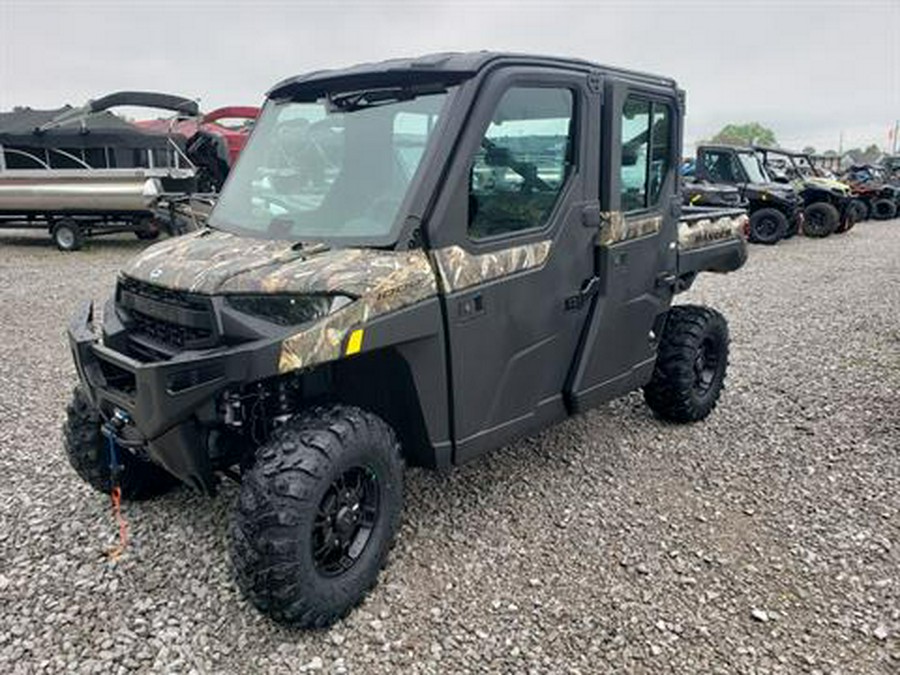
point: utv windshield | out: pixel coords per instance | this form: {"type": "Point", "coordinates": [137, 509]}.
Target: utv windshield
{"type": "Point", "coordinates": [753, 166]}
{"type": "Point", "coordinates": [334, 170]}
{"type": "Point", "coordinates": [805, 168]}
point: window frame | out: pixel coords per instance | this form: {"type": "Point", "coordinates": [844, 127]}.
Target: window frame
{"type": "Point", "coordinates": [742, 178]}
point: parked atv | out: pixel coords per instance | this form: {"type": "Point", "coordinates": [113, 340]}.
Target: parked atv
{"type": "Point", "coordinates": [871, 187]}
{"type": "Point", "coordinates": [412, 262]}
{"type": "Point", "coordinates": [891, 166]}
{"type": "Point", "coordinates": [775, 209]}
{"type": "Point", "coordinates": [828, 204]}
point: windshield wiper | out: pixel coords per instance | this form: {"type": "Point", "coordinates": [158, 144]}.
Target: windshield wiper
{"type": "Point", "coordinates": [370, 98]}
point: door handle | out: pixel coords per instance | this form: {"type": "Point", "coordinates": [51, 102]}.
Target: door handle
{"type": "Point", "coordinates": [589, 288]}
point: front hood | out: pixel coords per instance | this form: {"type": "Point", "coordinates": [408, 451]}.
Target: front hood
{"type": "Point", "coordinates": [211, 262]}
{"type": "Point", "coordinates": [827, 184]}
{"type": "Point", "coordinates": [777, 190]}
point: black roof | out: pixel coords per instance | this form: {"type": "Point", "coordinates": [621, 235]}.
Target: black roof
{"type": "Point", "coordinates": [145, 99]}
{"type": "Point", "coordinates": [91, 125]}
{"type": "Point", "coordinates": [780, 151]}
{"type": "Point", "coordinates": [448, 67]}
{"type": "Point", "coordinates": [725, 146]}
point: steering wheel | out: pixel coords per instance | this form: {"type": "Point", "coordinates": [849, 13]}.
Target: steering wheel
{"type": "Point", "coordinates": [500, 156]}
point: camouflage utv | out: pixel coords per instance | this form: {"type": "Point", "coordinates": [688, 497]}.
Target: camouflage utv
{"type": "Point", "coordinates": [413, 262]}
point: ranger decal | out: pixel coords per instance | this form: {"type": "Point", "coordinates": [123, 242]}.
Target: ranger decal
{"type": "Point", "coordinates": [697, 233]}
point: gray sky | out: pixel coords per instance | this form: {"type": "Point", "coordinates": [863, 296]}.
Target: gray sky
{"type": "Point", "coordinates": [807, 68]}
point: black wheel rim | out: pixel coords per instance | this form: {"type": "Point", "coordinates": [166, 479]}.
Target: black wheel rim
{"type": "Point", "coordinates": [706, 366]}
{"type": "Point", "coordinates": [816, 221]}
{"type": "Point", "coordinates": [767, 228]}
{"type": "Point", "coordinates": [345, 520]}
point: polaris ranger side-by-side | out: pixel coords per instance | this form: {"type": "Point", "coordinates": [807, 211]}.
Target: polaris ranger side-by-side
{"type": "Point", "coordinates": [828, 204]}
{"type": "Point", "coordinates": [776, 210]}
{"type": "Point", "coordinates": [872, 187]}
{"type": "Point", "coordinates": [413, 262]}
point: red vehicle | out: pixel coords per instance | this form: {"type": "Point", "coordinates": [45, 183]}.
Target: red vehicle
{"type": "Point", "coordinates": [211, 145]}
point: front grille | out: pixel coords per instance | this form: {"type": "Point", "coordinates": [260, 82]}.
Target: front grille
{"type": "Point", "coordinates": [162, 321]}
{"type": "Point", "coordinates": [165, 295]}
{"type": "Point", "coordinates": [168, 333]}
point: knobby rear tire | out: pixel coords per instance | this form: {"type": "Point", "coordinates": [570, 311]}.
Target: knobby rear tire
{"type": "Point", "coordinates": [691, 363]}
{"type": "Point", "coordinates": [884, 209]}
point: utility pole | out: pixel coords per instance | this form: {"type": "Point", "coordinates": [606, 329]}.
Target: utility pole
{"type": "Point", "coordinates": [841, 150]}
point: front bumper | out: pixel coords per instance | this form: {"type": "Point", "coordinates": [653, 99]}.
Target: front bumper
{"type": "Point", "coordinates": [167, 400]}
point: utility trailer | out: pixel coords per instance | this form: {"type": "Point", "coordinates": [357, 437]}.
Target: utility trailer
{"type": "Point", "coordinates": [81, 172]}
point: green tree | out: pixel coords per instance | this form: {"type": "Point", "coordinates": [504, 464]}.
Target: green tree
{"type": "Point", "coordinates": [751, 133]}
{"type": "Point", "coordinates": [869, 155]}
{"type": "Point", "coordinates": [872, 154]}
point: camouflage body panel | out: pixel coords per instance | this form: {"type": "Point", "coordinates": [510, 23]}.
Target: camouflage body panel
{"type": "Point", "coordinates": [218, 262]}
{"type": "Point", "coordinates": [200, 262]}
{"type": "Point", "coordinates": [459, 269]}
{"type": "Point", "coordinates": [212, 261]}
{"type": "Point", "coordinates": [698, 233]}
{"type": "Point", "coordinates": [388, 280]}
{"type": "Point", "coordinates": [618, 228]}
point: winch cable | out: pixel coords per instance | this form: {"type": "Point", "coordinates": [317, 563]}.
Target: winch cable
{"type": "Point", "coordinates": [115, 495]}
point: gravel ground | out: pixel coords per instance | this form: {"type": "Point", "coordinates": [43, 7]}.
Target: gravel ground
{"type": "Point", "coordinates": [766, 539]}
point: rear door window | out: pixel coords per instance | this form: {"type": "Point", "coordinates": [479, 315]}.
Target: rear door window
{"type": "Point", "coordinates": [646, 140]}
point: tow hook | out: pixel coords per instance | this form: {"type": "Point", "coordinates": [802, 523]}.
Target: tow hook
{"type": "Point", "coordinates": [111, 429]}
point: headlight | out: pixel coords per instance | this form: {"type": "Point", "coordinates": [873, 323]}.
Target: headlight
{"type": "Point", "coordinates": [288, 310]}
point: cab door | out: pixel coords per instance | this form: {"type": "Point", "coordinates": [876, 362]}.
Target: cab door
{"type": "Point", "coordinates": [635, 253]}
{"type": "Point", "coordinates": [512, 252]}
